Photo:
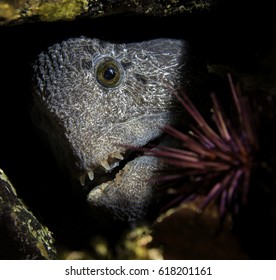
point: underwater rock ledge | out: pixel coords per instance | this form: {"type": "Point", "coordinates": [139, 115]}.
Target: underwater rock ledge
{"type": "Point", "coordinates": [22, 236]}
{"type": "Point", "coordinates": [21, 11]}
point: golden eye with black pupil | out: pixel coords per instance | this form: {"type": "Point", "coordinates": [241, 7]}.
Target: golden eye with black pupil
{"type": "Point", "coordinates": [109, 72]}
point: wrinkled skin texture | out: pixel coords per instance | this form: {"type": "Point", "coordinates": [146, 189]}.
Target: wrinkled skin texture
{"type": "Point", "coordinates": [93, 97]}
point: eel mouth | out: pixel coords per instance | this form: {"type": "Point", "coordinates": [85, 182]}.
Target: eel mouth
{"type": "Point", "coordinates": [109, 169]}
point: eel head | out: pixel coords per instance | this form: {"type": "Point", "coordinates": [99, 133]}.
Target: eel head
{"type": "Point", "coordinates": [96, 98]}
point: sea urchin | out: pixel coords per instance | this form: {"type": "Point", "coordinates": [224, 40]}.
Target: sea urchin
{"type": "Point", "coordinates": [216, 162]}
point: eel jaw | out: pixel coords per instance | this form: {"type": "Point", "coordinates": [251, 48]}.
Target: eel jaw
{"type": "Point", "coordinates": [121, 186]}
{"type": "Point", "coordinates": [128, 196]}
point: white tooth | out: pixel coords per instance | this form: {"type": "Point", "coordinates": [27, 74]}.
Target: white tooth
{"type": "Point", "coordinates": [117, 155]}
{"type": "Point", "coordinates": [91, 175]}
{"type": "Point", "coordinates": [105, 165]}
{"type": "Point", "coordinates": [103, 186]}
{"type": "Point", "coordinates": [82, 179]}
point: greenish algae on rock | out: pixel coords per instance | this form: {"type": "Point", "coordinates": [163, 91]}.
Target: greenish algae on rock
{"type": "Point", "coordinates": [63, 9]}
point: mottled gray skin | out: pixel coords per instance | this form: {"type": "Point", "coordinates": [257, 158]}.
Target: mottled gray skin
{"type": "Point", "coordinates": [87, 121]}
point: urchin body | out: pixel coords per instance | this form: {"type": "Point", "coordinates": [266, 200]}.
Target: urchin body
{"type": "Point", "coordinates": [96, 98]}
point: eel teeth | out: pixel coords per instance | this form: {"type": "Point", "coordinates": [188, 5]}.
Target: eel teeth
{"type": "Point", "coordinates": [105, 165]}
{"type": "Point", "coordinates": [90, 175]}
{"type": "Point", "coordinates": [103, 186]}
{"type": "Point", "coordinates": [117, 155]}
{"type": "Point", "coordinates": [82, 179]}
{"type": "Point", "coordinates": [97, 192]}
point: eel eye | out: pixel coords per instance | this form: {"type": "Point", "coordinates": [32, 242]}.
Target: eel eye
{"type": "Point", "coordinates": [109, 72]}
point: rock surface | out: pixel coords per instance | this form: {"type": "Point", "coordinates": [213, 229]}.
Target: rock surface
{"type": "Point", "coordinates": [22, 236]}
{"type": "Point", "coordinates": [53, 10]}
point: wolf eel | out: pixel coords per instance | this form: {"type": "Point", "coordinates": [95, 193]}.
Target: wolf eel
{"type": "Point", "coordinates": [95, 99]}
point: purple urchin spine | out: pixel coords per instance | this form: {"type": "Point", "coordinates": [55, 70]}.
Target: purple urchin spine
{"type": "Point", "coordinates": [219, 159]}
